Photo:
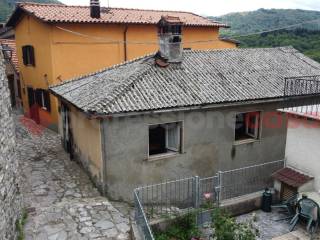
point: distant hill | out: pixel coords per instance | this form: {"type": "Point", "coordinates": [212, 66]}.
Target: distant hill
{"type": "Point", "coordinates": [304, 37]}
{"type": "Point", "coordinates": [7, 6]}
{"type": "Point", "coordinates": [265, 19]}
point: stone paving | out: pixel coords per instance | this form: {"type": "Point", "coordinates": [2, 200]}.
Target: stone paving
{"type": "Point", "coordinates": [269, 227]}
{"type": "Point", "coordinates": [61, 201]}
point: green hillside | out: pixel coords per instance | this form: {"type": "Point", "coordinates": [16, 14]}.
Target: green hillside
{"type": "Point", "coordinates": [7, 6]}
{"type": "Point", "coordinates": [304, 37]}
{"type": "Point", "coordinates": [265, 19]}
{"type": "Point", "coordinates": [306, 41]}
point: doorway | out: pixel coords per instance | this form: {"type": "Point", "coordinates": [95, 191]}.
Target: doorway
{"type": "Point", "coordinates": [12, 90]}
{"type": "Point", "coordinates": [67, 139]}
{"type": "Point", "coordinates": [33, 106]}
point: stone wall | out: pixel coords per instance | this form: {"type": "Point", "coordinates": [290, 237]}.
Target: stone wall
{"type": "Point", "coordinates": [10, 197]}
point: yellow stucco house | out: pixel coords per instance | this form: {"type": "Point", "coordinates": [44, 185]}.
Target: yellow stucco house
{"type": "Point", "coordinates": [58, 42]}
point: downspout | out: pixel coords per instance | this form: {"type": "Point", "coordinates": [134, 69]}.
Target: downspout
{"type": "Point", "coordinates": [125, 43]}
{"type": "Point", "coordinates": [104, 156]}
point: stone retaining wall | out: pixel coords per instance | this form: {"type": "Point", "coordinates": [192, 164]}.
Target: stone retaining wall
{"type": "Point", "coordinates": [10, 197]}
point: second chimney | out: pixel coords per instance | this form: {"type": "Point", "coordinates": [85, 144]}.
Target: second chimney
{"type": "Point", "coordinates": [95, 8]}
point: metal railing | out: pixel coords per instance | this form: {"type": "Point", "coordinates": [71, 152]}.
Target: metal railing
{"type": "Point", "coordinates": [209, 190]}
{"type": "Point", "coordinates": [299, 86]}
{"type": "Point", "coordinates": [242, 181]}
{"type": "Point", "coordinates": [141, 219]}
{"type": "Point", "coordinates": [173, 198]}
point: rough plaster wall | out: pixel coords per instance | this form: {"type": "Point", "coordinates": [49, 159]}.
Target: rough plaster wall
{"type": "Point", "coordinates": [10, 198]}
{"type": "Point", "coordinates": [302, 150]}
{"type": "Point", "coordinates": [87, 144]}
{"type": "Point", "coordinates": [208, 147]}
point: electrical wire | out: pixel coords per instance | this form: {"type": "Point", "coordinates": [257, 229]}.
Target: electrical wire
{"type": "Point", "coordinates": [112, 41]}
{"type": "Point", "coordinates": [276, 29]}
{"type": "Point", "coordinates": [108, 40]}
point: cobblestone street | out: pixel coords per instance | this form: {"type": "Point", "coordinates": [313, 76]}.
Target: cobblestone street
{"type": "Point", "coordinates": [60, 200]}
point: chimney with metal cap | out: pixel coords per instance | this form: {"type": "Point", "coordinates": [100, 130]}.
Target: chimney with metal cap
{"type": "Point", "coordinates": [95, 8]}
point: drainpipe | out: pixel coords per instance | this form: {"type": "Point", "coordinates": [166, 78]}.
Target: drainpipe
{"type": "Point", "coordinates": [104, 156]}
{"type": "Point", "coordinates": [125, 42]}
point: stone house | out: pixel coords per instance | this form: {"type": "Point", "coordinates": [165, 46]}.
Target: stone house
{"type": "Point", "coordinates": [181, 112]}
{"type": "Point", "coordinates": [52, 37]}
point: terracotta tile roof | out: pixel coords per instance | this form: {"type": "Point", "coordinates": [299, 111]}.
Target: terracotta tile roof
{"type": "Point", "coordinates": [291, 177]}
{"type": "Point", "coordinates": [204, 77]}
{"type": "Point", "coordinates": [12, 44]}
{"type": "Point", "coordinates": [56, 13]}
{"type": "Point", "coordinates": [308, 111]}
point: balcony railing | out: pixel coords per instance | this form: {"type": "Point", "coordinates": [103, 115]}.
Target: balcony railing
{"type": "Point", "coordinates": [300, 86]}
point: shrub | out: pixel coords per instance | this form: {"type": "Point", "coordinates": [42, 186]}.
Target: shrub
{"type": "Point", "coordinates": [182, 228]}
{"type": "Point", "coordinates": [226, 228]}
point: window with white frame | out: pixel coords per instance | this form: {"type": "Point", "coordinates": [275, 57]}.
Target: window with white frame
{"type": "Point", "coordinates": [165, 138]}
{"type": "Point", "coordinates": [247, 126]}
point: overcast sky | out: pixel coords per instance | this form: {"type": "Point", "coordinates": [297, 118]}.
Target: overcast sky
{"type": "Point", "coordinates": [206, 7]}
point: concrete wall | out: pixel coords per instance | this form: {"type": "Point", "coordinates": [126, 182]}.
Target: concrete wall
{"type": "Point", "coordinates": [10, 198]}
{"type": "Point", "coordinates": [208, 146]}
{"type": "Point", "coordinates": [302, 150]}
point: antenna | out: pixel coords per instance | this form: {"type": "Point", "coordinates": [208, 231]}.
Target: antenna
{"type": "Point", "coordinates": [108, 3]}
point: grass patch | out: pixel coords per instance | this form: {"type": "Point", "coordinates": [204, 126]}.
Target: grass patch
{"type": "Point", "coordinates": [20, 225]}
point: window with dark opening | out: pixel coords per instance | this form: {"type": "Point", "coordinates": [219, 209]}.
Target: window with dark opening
{"type": "Point", "coordinates": [28, 55]}
{"type": "Point", "coordinates": [43, 99]}
{"type": "Point", "coordinates": [247, 126]}
{"type": "Point", "coordinates": [164, 138]}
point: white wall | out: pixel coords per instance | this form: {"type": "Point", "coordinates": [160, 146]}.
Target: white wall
{"type": "Point", "coordinates": [303, 147]}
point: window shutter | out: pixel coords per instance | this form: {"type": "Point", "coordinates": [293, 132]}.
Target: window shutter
{"type": "Point", "coordinates": [24, 55]}
{"type": "Point", "coordinates": [28, 55]}
{"type": "Point", "coordinates": [173, 137]}
{"type": "Point", "coordinates": [252, 124]}
{"type": "Point", "coordinates": [46, 97]}
{"type": "Point", "coordinates": [31, 55]}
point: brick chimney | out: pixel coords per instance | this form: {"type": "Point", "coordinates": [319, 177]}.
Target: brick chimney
{"type": "Point", "coordinates": [95, 8]}
{"type": "Point", "coordinates": [170, 38]}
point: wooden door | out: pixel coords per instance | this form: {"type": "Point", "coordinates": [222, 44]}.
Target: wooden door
{"type": "Point", "coordinates": [287, 191]}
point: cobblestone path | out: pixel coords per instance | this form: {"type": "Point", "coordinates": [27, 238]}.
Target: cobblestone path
{"type": "Point", "coordinates": [60, 200]}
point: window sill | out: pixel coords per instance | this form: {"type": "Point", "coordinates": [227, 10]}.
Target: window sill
{"type": "Point", "coordinates": [245, 141]}
{"type": "Point", "coordinates": [158, 157]}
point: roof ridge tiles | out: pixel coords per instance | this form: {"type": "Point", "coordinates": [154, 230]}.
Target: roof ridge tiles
{"type": "Point", "coordinates": [120, 8]}
{"type": "Point", "coordinates": [56, 12]}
